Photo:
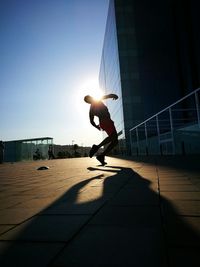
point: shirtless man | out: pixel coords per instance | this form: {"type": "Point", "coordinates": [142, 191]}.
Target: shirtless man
{"type": "Point", "coordinates": [99, 109]}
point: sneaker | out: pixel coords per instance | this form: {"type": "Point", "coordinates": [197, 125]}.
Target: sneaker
{"type": "Point", "coordinates": [101, 159]}
{"type": "Point", "coordinates": [93, 150]}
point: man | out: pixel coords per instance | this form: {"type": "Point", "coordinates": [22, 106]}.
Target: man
{"type": "Point", "coordinates": [1, 152]}
{"type": "Point", "coordinates": [97, 108]}
{"type": "Point", "coordinates": [50, 152]}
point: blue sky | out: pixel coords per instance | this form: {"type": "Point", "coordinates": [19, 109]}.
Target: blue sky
{"type": "Point", "coordinates": [50, 54]}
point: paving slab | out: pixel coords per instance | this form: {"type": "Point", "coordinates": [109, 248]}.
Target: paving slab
{"type": "Point", "coordinates": [16, 216]}
{"type": "Point", "coordinates": [181, 195]}
{"type": "Point", "coordinates": [114, 246]}
{"type": "Point", "coordinates": [4, 228]}
{"type": "Point", "coordinates": [184, 256]}
{"type": "Point", "coordinates": [182, 207]}
{"type": "Point", "coordinates": [134, 197]}
{"type": "Point", "coordinates": [174, 182]}
{"type": "Point", "coordinates": [28, 254]}
{"type": "Point", "coordinates": [132, 212]}
{"type": "Point", "coordinates": [179, 188]}
{"type": "Point", "coordinates": [47, 228]}
{"type": "Point", "coordinates": [139, 216]}
{"type": "Point", "coordinates": [183, 231]}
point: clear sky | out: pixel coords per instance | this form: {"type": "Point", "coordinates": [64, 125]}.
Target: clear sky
{"type": "Point", "coordinates": [50, 52]}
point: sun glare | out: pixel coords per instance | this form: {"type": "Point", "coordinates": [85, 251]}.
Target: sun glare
{"type": "Point", "coordinates": [88, 87]}
{"type": "Point", "coordinates": [97, 95]}
{"type": "Point", "coordinates": [91, 87]}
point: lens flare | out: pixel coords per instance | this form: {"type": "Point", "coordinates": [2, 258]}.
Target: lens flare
{"type": "Point", "coordinates": [90, 87]}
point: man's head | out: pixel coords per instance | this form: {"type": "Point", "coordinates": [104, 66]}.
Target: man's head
{"type": "Point", "coordinates": [88, 99]}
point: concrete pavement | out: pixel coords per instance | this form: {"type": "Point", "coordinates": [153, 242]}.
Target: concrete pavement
{"type": "Point", "coordinates": [141, 212]}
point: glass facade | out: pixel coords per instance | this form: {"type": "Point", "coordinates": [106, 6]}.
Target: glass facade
{"type": "Point", "coordinates": [129, 70]}
{"type": "Point", "coordinates": [109, 77]}
{"type": "Point", "coordinates": [150, 59]}
{"type": "Point", "coordinates": [119, 71]}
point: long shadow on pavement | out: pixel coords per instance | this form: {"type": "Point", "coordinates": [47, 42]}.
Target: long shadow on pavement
{"type": "Point", "coordinates": [115, 218]}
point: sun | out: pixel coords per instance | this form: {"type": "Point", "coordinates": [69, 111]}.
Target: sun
{"type": "Point", "coordinates": [89, 86]}
{"type": "Point", "coordinates": [97, 95]}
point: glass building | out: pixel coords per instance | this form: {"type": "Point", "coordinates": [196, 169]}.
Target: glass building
{"type": "Point", "coordinates": [110, 78]}
{"type": "Point", "coordinates": [150, 58]}
{"type": "Point", "coordinates": [27, 149]}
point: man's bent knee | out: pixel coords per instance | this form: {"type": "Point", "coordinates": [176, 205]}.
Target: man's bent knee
{"type": "Point", "coordinates": [114, 137]}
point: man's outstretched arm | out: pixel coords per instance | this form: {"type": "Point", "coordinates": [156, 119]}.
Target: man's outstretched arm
{"type": "Point", "coordinates": [113, 96]}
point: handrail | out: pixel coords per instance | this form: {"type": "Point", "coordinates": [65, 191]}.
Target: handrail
{"type": "Point", "coordinates": [195, 91]}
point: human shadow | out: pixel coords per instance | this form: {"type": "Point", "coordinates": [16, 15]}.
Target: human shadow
{"type": "Point", "coordinates": [115, 218]}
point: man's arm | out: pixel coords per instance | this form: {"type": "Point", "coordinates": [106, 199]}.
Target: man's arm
{"type": "Point", "coordinates": [92, 120]}
{"type": "Point", "coordinates": [113, 96]}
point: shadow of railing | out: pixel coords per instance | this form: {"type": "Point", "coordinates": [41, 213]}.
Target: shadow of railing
{"type": "Point", "coordinates": [188, 163]}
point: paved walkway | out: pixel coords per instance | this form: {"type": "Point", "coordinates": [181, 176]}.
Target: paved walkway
{"type": "Point", "coordinates": [129, 213]}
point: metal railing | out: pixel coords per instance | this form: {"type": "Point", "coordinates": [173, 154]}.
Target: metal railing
{"type": "Point", "coordinates": [160, 133]}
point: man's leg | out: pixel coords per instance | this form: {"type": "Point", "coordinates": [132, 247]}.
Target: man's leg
{"type": "Point", "coordinates": [106, 141]}
{"type": "Point", "coordinates": [95, 148]}
{"type": "Point", "coordinates": [109, 127]}
{"type": "Point", "coordinates": [113, 140]}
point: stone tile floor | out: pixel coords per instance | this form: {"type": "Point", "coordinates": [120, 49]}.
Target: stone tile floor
{"type": "Point", "coordinates": [132, 212]}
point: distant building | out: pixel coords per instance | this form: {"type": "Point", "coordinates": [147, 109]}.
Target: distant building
{"type": "Point", "coordinates": [150, 58]}
{"type": "Point", "coordinates": [37, 148]}
{"type": "Point", "coordinates": [69, 151]}
{"type": "Point", "coordinates": [27, 149]}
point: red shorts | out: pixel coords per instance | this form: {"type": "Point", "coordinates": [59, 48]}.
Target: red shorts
{"type": "Point", "coordinates": [108, 126]}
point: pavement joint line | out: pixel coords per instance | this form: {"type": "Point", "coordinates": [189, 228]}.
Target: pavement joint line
{"type": "Point", "coordinates": [167, 256]}
{"type": "Point", "coordinates": [187, 216]}
{"type": "Point", "coordinates": [135, 205]}
{"type": "Point", "coordinates": [8, 229]}
{"type": "Point", "coordinates": [86, 223]}
{"type": "Point", "coordinates": [16, 225]}
{"type": "Point", "coordinates": [169, 246]}
{"type": "Point", "coordinates": [32, 241]}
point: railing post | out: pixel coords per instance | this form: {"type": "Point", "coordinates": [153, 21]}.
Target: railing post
{"type": "Point", "coordinates": [131, 142]}
{"type": "Point", "coordinates": [158, 131]}
{"type": "Point", "coordinates": [172, 126]}
{"type": "Point", "coordinates": [137, 136]}
{"type": "Point", "coordinates": [146, 137]}
{"type": "Point", "coordinates": [197, 107]}
{"type": "Point", "coordinates": [172, 130]}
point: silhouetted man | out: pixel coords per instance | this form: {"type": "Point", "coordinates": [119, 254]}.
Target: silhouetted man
{"type": "Point", "coordinates": [50, 152]}
{"type": "Point", "coordinates": [100, 110]}
{"type": "Point", "coordinates": [1, 152]}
